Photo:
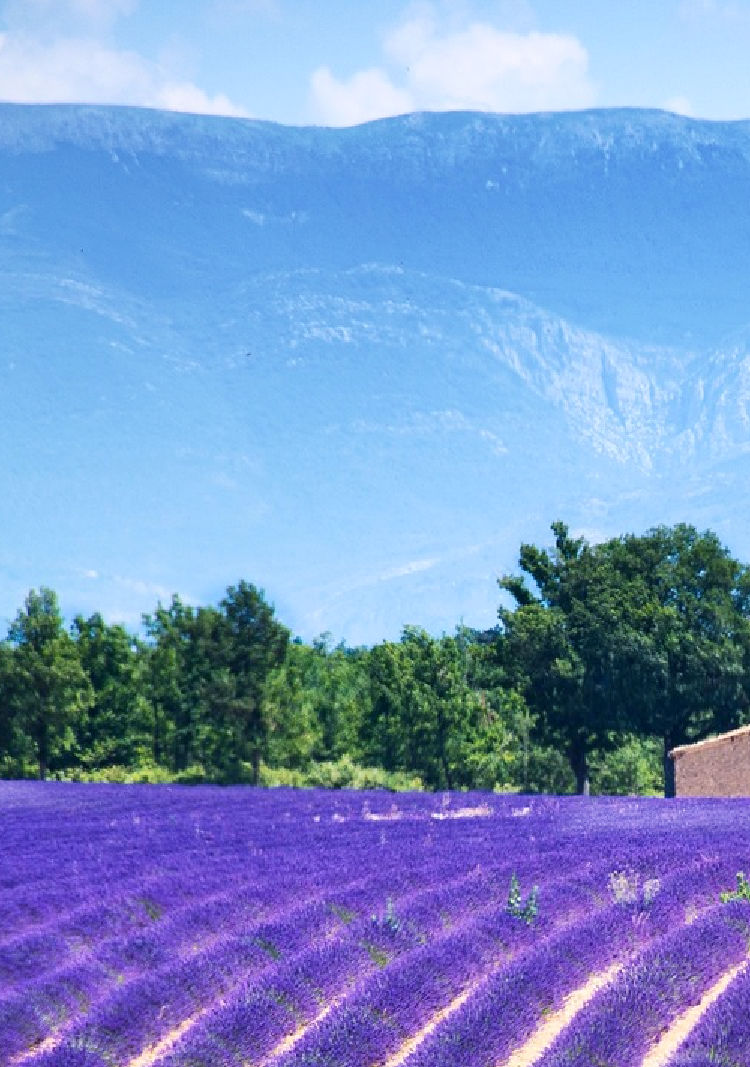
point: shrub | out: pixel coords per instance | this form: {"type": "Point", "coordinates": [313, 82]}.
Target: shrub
{"type": "Point", "coordinates": [519, 908]}
{"type": "Point", "coordinates": [742, 892]}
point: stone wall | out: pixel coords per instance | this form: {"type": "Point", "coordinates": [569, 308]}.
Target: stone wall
{"type": "Point", "coordinates": [717, 767]}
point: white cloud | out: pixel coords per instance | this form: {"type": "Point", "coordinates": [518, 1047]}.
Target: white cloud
{"type": "Point", "coordinates": [369, 94]}
{"type": "Point", "coordinates": [680, 105]}
{"type": "Point", "coordinates": [84, 70]}
{"type": "Point", "coordinates": [184, 96]}
{"type": "Point", "coordinates": [428, 67]}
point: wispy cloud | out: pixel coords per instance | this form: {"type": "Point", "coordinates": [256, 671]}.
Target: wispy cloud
{"type": "Point", "coordinates": [430, 64]}
{"type": "Point", "coordinates": [50, 15]}
{"type": "Point", "coordinates": [60, 51]}
{"type": "Point", "coordinates": [402, 570]}
{"type": "Point", "coordinates": [717, 11]}
{"type": "Point", "coordinates": [144, 588]}
{"type": "Point", "coordinates": [429, 423]}
{"type": "Point", "coordinates": [268, 8]}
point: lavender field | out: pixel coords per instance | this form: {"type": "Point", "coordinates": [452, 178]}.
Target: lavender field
{"type": "Point", "coordinates": [209, 927]}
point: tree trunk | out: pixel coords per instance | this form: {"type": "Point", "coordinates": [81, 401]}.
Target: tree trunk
{"type": "Point", "coordinates": [256, 765]}
{"type": "Point", "coordinates": [669, 778]}
{"type": "Point", "coordinates": [42, 746]}
{"type": "Point", "coordinates": [446, 772]}
{"type": "Point", "coordinates": [579, 763]}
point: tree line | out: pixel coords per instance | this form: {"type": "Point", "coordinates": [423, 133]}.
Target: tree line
{"type": "Point", "coordinates": [604, 657]}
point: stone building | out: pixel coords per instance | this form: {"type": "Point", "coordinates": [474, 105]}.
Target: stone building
{"type": "Point", "coordinates": [716, 767]}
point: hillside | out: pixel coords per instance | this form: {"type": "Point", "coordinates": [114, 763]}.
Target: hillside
{"type": "Point", "coordinates": [358, 366]}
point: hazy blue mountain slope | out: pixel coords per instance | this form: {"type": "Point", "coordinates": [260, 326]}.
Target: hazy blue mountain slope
{"type": "Point", "coordinates": [359, 366]}
{"type": "Point", "coordinates": [625, 220]}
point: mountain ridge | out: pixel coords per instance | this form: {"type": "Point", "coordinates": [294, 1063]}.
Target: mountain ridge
{"type": "Point", "coordinates": [361, 386]}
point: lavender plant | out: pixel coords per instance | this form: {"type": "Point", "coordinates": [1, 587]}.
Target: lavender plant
{"type": "Point", "coordinates": [310, 927]}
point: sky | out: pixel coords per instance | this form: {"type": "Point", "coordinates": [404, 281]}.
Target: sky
{"type": "Point", "coordinates": [341, 62]}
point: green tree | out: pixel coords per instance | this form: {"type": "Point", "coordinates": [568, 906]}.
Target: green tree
{"type": "Point", "coordinates": [644, 634]}
{"type": "Point", "coordinates": [119, 725]}
{"type": "Point", "coordinates": [424, 715]}
{"type": "Point", "coordinates": [173, 703]}
{"type": "Point", "coordinates": [557, 646]}
{"type": "Point", "coordinates": [11, 735]}
{"type": "Point", "coordinates": [191, 689]}
{"type": "Point", "coordinates": [685, 663]}
{"type": "Point", "coordinates": [340, 681]}
{"type": "Point", "coordinates": [291, 695]}
{"type": "Point", "coordinates": [47, 688]}
{"type": "Point", "coordinates": [447, 721]}
{"type": "Point", "coordinates": [255, 643]}
{"type": "Point", "coordinates": [383, 732]}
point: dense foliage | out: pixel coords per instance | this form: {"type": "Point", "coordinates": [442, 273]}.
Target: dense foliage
{"type": "Point", "coordinates": [605, 657]}
{"type": "Point", "coordinates": [174, 927]}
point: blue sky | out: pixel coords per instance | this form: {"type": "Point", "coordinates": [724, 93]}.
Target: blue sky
{"type": "Point", "coordinates": [340, 62]}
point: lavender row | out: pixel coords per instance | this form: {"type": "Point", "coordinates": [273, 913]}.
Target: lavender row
{"type": "Point", "coordinates": [148, 925]}
{"type": "Point", "coordinates": [34, 904]}
{"type": "Point", "coordinates": [620, 1023]}
{"type": "Point", "coordinates": [24, 1016]}
{"type": "Point", "coordinates": [261, 1013]}
{"type": "Point", "coordinates": [123, 931]}
{"type": "Point", "coordinates": [79, 899]}
{"type": "Point", "coordinates": [510, 1005]}
{"type": "Point", "coordinates": [139, 873]}
{"type": "Point", "coordinates": [722, 1037]}
{"type": "Point", "coordinates": [390, 1006]}
{"type": "Point", "coordinates": [139, 1012]}
{"type": "Point", "coordinates": [28, 1016]}
{"type": "Point", "coordinates": [45, 948]}
{"type": "Point", "coordinates": [206, 976]}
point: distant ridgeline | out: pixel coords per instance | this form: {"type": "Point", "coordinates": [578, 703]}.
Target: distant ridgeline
{"type": "Point", "coordinates": [364, 363]}
{"type": "Point", "coordinates": [605, 657]}
{"type": "Point", "coordinates": [626, 221]}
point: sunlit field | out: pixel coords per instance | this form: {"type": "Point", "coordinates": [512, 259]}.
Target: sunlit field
{"type": "Point", "coordinates": [209, 927]}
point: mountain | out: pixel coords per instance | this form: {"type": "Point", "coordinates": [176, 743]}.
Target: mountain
{"type": "Point", "coordinates": [359, 366]}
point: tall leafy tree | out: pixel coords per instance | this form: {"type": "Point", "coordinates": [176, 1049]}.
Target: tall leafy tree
{"type": "Point", "coordinates": [341, 689]}
{"type": "Point", "coordinates": [645, 633]}
{"type": "Point", "coordinates": [174, 705]}
{"type": "Point", "coordinates": [383, 731]}
{"type": "Point", "coordinates": [11, 734]}
{"type": "Point", "coordinates": [119, 724]}
{"type": "Point", "coordinates": [445, 716]}
{"type": "Point", "coordinates": [46, 686]}
{"type": "Point", "coordinates": [501, 751]}
{"type": "Point", "coordinates": [191, 688]}
{"type": "Point", "coordinates": [290, 695]}
{"type": "Point", "coordinates": [685, 665]}
{"type": "Point", "coordinates": [557, 645]}
{"type": "Point", "coordinates": [425, 716]}
{"type": "Point", "coordinates": [255, 643]}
